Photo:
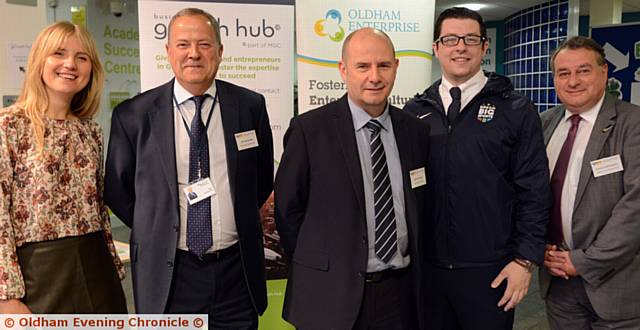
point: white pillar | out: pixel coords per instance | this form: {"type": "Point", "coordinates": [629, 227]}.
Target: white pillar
{"type": "Point", "coordinates": [603, 12]}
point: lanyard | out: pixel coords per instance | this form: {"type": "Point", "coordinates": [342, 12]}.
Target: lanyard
{"type": "Point", "coordinates": [184, 121]}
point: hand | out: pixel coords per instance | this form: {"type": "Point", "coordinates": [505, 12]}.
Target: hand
{"type": "Point", "coordinates": [554, 263]}
{"type": "Point", "coordinates": [562, 261]}
{"type": "Point", "coordinates": [13, 306]}
{"type": "Point", "coordinates": [518, 280]}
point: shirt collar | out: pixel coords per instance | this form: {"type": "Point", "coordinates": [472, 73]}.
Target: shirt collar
{"type": "Point", "coordinates": [589, 115]}
{"type": "Point", "coordinates": [182, 95]}
{"type": "Point", "coordinates": [361, 117]}
{"type": "Point", "coordinates": [479, 79]}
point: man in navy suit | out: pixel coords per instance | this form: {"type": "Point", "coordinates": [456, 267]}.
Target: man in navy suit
{"type": "Point", "coordinates": [349, 199]}
{"type": "Point", "coordinates": [205, 135]}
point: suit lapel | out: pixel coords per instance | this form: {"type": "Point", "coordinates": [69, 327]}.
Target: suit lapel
{"type": "Point", "coordinates": [230, 114]}
{"type": "Point", "coordinates": [602, 128]}
{"type": "Point", "coordinates": [403, 142]}
{"type": "Point", "coordinates": [550, 125]}
{"type": "Point", "coordinates": [343, 125]}
{"type": "Point", "coordinates": [161, 123]}
{"type": "Point", "coordinates": [405, 145]}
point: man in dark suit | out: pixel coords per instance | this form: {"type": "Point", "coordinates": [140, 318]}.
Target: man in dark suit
{"type": "Point", "coordinates": [213, 138]}
{"type": "Point", "coordinates": [349, 196]}
{"type": "Point", "coordinates": [591, 278]}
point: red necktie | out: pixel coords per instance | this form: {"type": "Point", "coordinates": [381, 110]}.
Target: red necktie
{"type": "Point", "coordinates": [557, 182]}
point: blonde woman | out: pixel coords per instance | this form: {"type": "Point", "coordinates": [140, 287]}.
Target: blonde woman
{"type": "Point", "coordinates": [56, 250]}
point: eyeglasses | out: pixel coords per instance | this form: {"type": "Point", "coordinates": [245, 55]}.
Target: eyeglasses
{"type": "Point", "coordinates": [452, 40]}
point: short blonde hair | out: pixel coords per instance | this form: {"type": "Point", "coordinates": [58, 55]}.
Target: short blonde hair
{"type": "Point", "coordinates": [34, 99]}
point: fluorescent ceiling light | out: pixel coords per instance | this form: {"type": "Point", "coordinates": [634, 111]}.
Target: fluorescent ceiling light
{"type": "Point", "coordinates": [473, 6]}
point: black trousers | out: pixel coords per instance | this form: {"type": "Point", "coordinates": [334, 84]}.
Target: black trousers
{"type": "Point", "coordinates": [462, 299]}
{"type": "Point", "coordinates": [214, 286]}
{"type": "Point", "coordinates": [388, 302]}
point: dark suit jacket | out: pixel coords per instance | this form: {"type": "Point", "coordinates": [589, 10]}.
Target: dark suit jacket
{"type": "Point", "coordinates": [606, 213]}
{"type": "Point", "coordinates": [320, 213]}
{"type": "Point", "coordinates": [141, 186]}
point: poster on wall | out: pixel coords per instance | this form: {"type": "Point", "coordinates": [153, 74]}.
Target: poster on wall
{"type": "Point", "coordinates": [489, 60]}
{"type": "Point", "coordinates": [258, 54]}
{"type": "Point", "coordinates": [621, 43]}
{"type": "Point", "coordinates": [117, 40]}
{"type": "Point", "coordinates": [321, 27]}
{"type": "Point", "coordinates": [16, 66]}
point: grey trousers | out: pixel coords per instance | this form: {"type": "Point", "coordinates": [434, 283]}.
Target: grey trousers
{"type": "Point", "coordinates": [569, 308]}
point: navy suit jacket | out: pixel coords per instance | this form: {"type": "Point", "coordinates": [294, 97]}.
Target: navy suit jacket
{"type": "Point", "coordinates": [320, 214]}
{"type": "Point", "coordinates": [141, 186]}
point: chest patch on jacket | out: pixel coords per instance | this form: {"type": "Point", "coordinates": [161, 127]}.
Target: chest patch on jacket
{"type": "Point", "coordinates": [486, 112]}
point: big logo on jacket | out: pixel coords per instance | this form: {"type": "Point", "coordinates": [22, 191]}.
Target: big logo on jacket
{"type": "Point", "coordinates": [486, 112]}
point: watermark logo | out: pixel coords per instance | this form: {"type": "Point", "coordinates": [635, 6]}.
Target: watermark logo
{"type": "Point", "coordinates": [329, 26]}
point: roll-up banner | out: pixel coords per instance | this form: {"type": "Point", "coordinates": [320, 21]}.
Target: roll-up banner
{"type": "Point", "coordinates": [321, 27]}
{"type": "Point", "coordinates": [258, 51]}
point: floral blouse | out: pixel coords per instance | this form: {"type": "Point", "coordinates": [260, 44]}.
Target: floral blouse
{"type": "Point", "coordinates": [53, 196]}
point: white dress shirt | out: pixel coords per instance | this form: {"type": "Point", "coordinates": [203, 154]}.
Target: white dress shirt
{"type": "Point", "coordinates": [469, 89]}
{"type": "Point", "coordinates": [570, 188]}
{"type": "Point", "coordinates": [223, 224]}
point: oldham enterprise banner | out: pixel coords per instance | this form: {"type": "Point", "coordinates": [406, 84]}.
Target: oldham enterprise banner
{"type": "Point", "coordinates": [322, 26]}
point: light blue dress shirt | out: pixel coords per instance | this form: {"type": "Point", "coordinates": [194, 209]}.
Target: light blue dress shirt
{"type": "Point", "coordinates": [363, 138]}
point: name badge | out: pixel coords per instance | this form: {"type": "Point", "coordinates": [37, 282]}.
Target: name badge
{"type": "Point", "coordinates": [418, 178]}
{"type": "Point", "coordinates": [199, 190]}
{"type": "Point", "coordinates": [607, 165]}
{"type": "Point", "coordinates": [246, 140]}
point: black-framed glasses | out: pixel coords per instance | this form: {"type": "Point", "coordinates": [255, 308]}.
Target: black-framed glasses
{"type": "Point", "coordinates": [469, 40]}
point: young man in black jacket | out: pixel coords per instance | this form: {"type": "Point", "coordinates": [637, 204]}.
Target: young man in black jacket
{"type": "Point", "coordinates": [488, 185]}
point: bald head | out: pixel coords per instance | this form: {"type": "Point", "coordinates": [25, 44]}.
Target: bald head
{"type": "Point", "coordinates": [363, 34]}
{"type": "Point", "coordinates": [368, 68]}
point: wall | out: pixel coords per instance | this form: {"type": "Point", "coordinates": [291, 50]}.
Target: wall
{"type": "Point", "coordinates": [531, 35]}
{"type": "Point", "coordinates": [14, 31]}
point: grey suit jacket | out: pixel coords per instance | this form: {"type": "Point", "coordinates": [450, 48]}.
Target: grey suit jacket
{"type": "Point", "coordinates": [606, 214]}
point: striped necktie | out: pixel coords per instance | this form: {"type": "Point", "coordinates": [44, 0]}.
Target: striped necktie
{"type": "Point", "coordinates": [385, 231]}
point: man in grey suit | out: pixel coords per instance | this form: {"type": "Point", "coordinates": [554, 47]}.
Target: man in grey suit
{"type": "Point", "coordinates": [591, 278]}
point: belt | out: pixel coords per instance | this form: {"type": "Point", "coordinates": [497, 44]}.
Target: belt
{"type": "Point", "coordinates": [382, 275]}
{"type": "Point", "coordinates": [215, 255]}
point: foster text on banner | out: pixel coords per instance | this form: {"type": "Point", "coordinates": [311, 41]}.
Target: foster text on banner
{"type": "Point", "coordinates": [322, 26]}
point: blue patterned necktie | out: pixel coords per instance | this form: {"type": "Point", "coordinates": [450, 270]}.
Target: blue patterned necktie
{"type": "Point", "coordinates": [199, 237]}
{"type": "Point", "coordinates": [385, 231]}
